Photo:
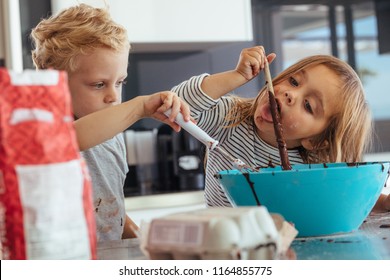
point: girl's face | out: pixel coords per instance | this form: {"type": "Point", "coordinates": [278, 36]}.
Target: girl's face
{"type": "Point", "coordinates": [307, 100]}
{"type": "Point", "coordinates": [97, 81]}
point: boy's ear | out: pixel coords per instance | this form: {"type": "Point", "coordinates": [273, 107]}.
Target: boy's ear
{"type": "Point", "coordinates": [307, 143]}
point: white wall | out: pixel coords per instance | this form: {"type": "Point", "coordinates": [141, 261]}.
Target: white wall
{"type": "Point", "coordinates": [10, 35]}
{"type": "Point", "coordinates": [2, 38]}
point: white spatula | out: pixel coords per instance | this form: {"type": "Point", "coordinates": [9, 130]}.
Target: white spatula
{"type": "Point", "coordinates": [207, 140]}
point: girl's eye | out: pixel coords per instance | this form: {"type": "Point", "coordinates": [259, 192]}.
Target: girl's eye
{"type": "Point", "coordinates": [293, 82]}
{"type": "Point", "coordinates": [308, 106]}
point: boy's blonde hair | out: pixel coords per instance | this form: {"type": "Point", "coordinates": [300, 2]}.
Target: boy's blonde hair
{"type": "Point", "coordinates": [80, 29]}
{"type": "Point", "coordinates": [348, 134]}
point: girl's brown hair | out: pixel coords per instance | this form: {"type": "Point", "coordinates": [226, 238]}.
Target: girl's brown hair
{"type": "Point", "coordinates": [59, 39]}
{"type": "Point", "coordinates": [348, 134]}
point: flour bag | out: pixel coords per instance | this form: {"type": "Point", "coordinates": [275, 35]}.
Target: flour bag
{"type": "Point", "coordinates": [45, 191]}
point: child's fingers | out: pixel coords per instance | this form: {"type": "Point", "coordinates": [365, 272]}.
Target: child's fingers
{"type": "Point", "coordinates": [185, 109]}
{"type": "Point", "coordinates": [271, 57]}
{"type": "Point", "coordinates": [165, 101]}
{"type": "Point", "coordinates": [175, 107]}
{"type": "Point", "coordinates": [258, 53]}
{"type": "Point", "coordinates": [252, 61]}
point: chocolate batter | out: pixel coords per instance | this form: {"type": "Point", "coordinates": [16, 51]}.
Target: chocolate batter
{"type": "Point", "coordinates": [279, 132]}
{"type": "Point", "coordinates": [276, 119]}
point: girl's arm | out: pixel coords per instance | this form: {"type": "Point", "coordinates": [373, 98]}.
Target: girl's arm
{"type": "Point", "coordinates": [251, 62]}
{"type": "Point", "coordinates": [102, 125]}
{"type": "Point", "coordinates": [382, 204]}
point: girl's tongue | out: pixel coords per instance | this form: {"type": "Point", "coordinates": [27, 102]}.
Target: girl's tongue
{"type": "Point", "coordinates": [266, 113]}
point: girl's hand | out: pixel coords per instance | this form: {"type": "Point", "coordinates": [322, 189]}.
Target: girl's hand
{"type": "Point", "coordinates": [386, 203]}
{"type": "Point", "coordinates": [252, 61]}
{"type": "Point", "coordinates": [156, 104]}
{"type": "Point", "coordinates": [382, 204]}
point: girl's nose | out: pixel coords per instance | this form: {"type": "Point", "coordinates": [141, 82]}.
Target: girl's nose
{"type": "Point", "coordinates": [289, 98]}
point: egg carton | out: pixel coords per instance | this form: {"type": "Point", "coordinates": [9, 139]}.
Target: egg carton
{"type": "Point", "coordinates": [218, 233]}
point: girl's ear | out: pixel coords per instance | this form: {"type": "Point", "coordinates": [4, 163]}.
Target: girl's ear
{"type": "Point", "coordinates": [307, 143]}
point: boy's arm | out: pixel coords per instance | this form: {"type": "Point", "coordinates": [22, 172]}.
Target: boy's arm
{"type": "Point", "coordinates": [251, 62]}
{"type": "Point", "coordinates": [102, 125]}
{"type": "Point", "coordinates": [130, 229]}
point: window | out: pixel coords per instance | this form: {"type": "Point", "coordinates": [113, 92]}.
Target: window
{"type": "Point", "coordinates": [306, 32]}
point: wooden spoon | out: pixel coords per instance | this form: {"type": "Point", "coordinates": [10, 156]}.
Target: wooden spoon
{"type": "Point", "coordinates": [276, 120]}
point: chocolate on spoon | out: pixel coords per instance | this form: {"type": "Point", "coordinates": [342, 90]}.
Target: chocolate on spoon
{"type": "Point", "coordinates": [276, 120]}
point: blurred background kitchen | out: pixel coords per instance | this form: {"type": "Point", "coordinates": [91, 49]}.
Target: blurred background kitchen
{"type": "Point", "coordinates": [173, 40]}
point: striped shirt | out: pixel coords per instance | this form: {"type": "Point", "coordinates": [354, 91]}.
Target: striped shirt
{"type": "Point", "coordinates": [240, 141]}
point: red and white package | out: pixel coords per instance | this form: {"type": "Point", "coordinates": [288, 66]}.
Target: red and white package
{"type": "Point", "coordinates": [46, 207]}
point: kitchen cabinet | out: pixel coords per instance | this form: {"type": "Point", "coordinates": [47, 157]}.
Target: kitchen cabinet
{"type": "Point", "coordinates": [177, 25]}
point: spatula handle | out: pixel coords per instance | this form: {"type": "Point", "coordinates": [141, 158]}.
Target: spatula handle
{"type": "Point", "coordinates": [194, 130]}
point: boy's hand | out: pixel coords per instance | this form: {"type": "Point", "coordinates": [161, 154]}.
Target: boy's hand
{"type": "Point", "coordinates": [252, 61]}
{"type": "Point", "coordinates": [156, 104]}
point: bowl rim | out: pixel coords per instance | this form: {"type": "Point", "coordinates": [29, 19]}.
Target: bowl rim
{"type": "Point", "coordinates": [300, 167]}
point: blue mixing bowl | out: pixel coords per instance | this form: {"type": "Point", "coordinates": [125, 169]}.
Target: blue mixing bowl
{"type": "Point", "coordinates": [320, 199]}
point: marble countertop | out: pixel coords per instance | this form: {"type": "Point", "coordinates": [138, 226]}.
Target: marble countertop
{"type": "Point", "coordinates": [164, 200]}
{"type": "Point", "coordinates": [370, 242]}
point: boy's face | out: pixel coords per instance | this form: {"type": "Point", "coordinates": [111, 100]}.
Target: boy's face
{"type": "Point", "coordinates": [307, 101]}
{"type": "Point", "coordinates": [97, 81]}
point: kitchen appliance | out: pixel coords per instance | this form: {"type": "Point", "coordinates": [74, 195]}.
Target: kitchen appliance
{"type": "Point", "coordinates": [142, 160]}
{"type": "Point", "coordinates": [168, 181]}
{"type": "Point", "coordinates": [162, 160]}
{"type": "Point", "coordinates": [319, 199]}
{"type": "Point", "coordinates": [180, 164]}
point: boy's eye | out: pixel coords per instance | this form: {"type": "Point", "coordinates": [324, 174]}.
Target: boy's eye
{"type": "Point", "coordinates": [122, 83]}
{"type": "Point", "coordinates": [308, 106]}
{"type": "Point", "coordinates": [294, 82]}
{"type": "Point", "coordinates": [99, 85]}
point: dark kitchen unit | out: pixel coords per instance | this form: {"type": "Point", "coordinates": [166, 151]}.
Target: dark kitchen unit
{"type": "Point", "coordinates": [180, 161]}
{"type": "Point", "coordinates": [178, 166]}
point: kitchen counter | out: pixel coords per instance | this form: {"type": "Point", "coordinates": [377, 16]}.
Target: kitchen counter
{"type": "Point", "coordinates": [164, 200]}
{"type": "Point", "coordinates": [144, 208]}
{"type": "Point", "coordinates": [370, 242]}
